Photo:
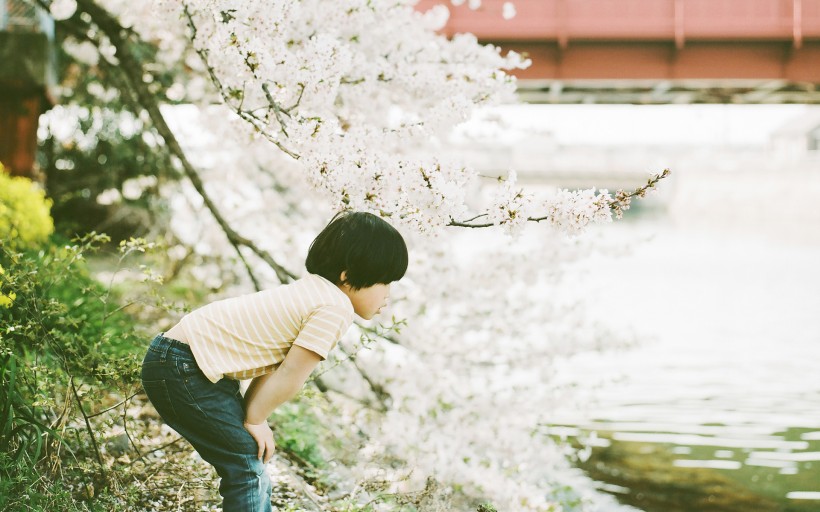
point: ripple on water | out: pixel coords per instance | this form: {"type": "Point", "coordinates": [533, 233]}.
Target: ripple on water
{"type": "Point", "coordinates": [801, 495]}
{"type": "Point", "coordinates": [710, 464]}
{"type": "Point", "coordinates": [695, 440]}
{"type": "Point", "coordinates": [787, 456]}
{"type": "Point", "coordinates": [728, 388]}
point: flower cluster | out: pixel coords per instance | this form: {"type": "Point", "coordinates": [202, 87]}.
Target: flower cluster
{"type": "Point", "coordinates": [360, 94]}
{"type": "Point", "coordinates": [510, 207]}
{"type": "Point", "coordinates": [572, 211]}
{"type": "Point", "coordinates": [355, 91]}
{"type": "Point", "coordinates": [6, 298]}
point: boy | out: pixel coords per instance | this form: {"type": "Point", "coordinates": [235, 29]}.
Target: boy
{"type": "Point", "coordinates": [276, 337]}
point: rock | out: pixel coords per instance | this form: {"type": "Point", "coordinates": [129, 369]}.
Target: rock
{"type": "Point", "coordinates": [118, 445]}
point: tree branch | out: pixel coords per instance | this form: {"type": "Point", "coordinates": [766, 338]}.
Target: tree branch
{"type": "Point", "coordinates": [618, 205]}
{"type": "Point", "coordinates": [133, 71]}
{"type": "Point", "coordinates": [248, 116]}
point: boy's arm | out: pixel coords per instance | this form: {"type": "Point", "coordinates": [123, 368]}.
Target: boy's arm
{"type": "Point", "coordinates": [271, 390]}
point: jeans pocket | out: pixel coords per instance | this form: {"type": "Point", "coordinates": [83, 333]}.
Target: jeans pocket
{"type": "Point", "coordinates": [187, 367]}
{"type": "Point", "coordinates": [157, 391]}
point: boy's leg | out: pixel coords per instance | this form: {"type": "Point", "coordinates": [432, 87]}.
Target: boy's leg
{"type": "Point", "coordinates": [210, 416]}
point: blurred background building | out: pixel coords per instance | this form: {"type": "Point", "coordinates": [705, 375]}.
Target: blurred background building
{"type": "Point", "coordinates": [27, 75]}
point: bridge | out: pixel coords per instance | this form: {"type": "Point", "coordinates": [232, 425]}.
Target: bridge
{"type": "Point", "coordinates": [654, 51]}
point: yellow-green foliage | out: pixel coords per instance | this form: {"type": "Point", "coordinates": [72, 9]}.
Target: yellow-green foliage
{"type": "Point", "coordinates": [25, 218]}
{"type": "Point", "coordinates": [8, 297]}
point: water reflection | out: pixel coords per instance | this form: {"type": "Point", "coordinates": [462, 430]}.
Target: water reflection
{"type": "Point", "coordinates": [725, 381]}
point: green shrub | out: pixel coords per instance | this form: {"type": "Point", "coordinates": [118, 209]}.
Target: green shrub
{"type": "Point", "coordinates": [58, 314]}
{"type": "Point", "coordinates": [25, 221]}
{"type": "Point", "coordinates": [297, 432]}
{"type": "Point", "coordinates": [67, 345]}
{"type": "Point", "coordinates": [21, 431]}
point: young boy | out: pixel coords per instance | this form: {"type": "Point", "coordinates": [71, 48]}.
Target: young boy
{"type": "Point", "coordinates": [276, 337]}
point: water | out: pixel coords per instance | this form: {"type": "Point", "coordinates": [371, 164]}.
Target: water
{"type": "Point", "coordinates": [726, 376]}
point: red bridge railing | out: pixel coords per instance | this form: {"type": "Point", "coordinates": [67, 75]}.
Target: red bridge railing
{"type": "Point", "coordinates": [638, 20]}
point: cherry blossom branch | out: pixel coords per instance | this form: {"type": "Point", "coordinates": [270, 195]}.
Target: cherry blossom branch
{"type": "Point", "coordinates": [623, 199]}
{"type": "Point", "coordinates": [617, 205]}
{"type": "Point", "coordinates": [247, 115]}
{"type": "Point", "coordinates": [133, 70]}
{"type": "Point", "coordinates": [378, 390]}
{"type": "Point", "coordinates": [241, 53]}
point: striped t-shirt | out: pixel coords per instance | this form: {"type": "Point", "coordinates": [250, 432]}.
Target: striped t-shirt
{"type": "Point", "coordinates": [247, 336]}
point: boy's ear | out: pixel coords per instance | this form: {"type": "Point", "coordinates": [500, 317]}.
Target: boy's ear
{"type": "Point", "coordinates": [343, 276]}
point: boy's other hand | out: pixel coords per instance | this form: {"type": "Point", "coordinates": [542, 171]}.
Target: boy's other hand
{"type": "Point", "coordinates": [263, 436]}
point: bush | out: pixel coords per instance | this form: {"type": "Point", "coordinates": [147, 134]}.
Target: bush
{"type": "Point", "coordinates": [25, 220]}
{"type": "Point", "coordinates": [67, 346]}
{"type": "Point", "coordinates": [60, 314]}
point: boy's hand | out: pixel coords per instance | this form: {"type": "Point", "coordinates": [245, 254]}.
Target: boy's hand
{"type": "Point", "coordinates": [263, 436]}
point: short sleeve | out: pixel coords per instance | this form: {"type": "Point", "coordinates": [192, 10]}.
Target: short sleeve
{"type": "Point", "coordinates": [323, 328]}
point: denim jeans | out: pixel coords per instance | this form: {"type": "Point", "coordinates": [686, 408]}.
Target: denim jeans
{"type": "Point", "coordinates": [210, 416]}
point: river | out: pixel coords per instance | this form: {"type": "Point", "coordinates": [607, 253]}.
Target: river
{"type": "Point", "coordinates": [724, 381]}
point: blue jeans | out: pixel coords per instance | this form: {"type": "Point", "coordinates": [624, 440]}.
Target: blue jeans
{"type": "Point", "coordinates": [210, 416]}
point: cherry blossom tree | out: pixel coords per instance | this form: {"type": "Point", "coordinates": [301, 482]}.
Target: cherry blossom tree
{"type": "Point", "coordinates": [296, 109]}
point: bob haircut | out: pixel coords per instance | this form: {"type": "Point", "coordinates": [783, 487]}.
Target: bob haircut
{"type": "Point", "coordinates": [363, 245]}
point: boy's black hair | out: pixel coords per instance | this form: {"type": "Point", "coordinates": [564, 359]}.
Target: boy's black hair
{"type": "Point", "coordinates": [363, 245]}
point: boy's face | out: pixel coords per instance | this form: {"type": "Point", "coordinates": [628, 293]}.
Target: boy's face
{"type": "Point", "coordinates": [367, 302]}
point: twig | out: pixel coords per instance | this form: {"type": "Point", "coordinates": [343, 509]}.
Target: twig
{"type": "Point", "coordinates": [255, 281]}
{"type": "Point", "coordinates": [364, 403]}
{"type": "Point", "coordinates": [166, 445]}
{"type": "Point", "coordinates": [179, 496]}
{"type": "Point", "coordinates": [277, 110]}
{"type": "Point", "coordinates": [118, 309]}
{"type": "Point", "coordinates": [88, 427]}
{"type": "Point", "coordinates": [300, 482]}
{"type": "Point", "coordinates": [125, 425]}
{"type": "Point", "coordinates": [113, 406]}
{"type": "Point", "coordinates": [617, 205]}
{"type": "Point", "coordinates": [62, 419]}
{"type": "Point", "coordinates": [257, 123]}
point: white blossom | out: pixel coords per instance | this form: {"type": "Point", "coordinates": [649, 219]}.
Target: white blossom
{"type": "Point", "coordinates": [326, 61]}
{"type": "Point", "coordinates": [63, 9]}
{"type": "Point", "coordinates": [508, 11]}
{"type": "Point", "coordinates": [572, 211]}
{"type": "Point", "coordinates": [83, 51]}
{"type": "Point", "coordinates": [510, 206]}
